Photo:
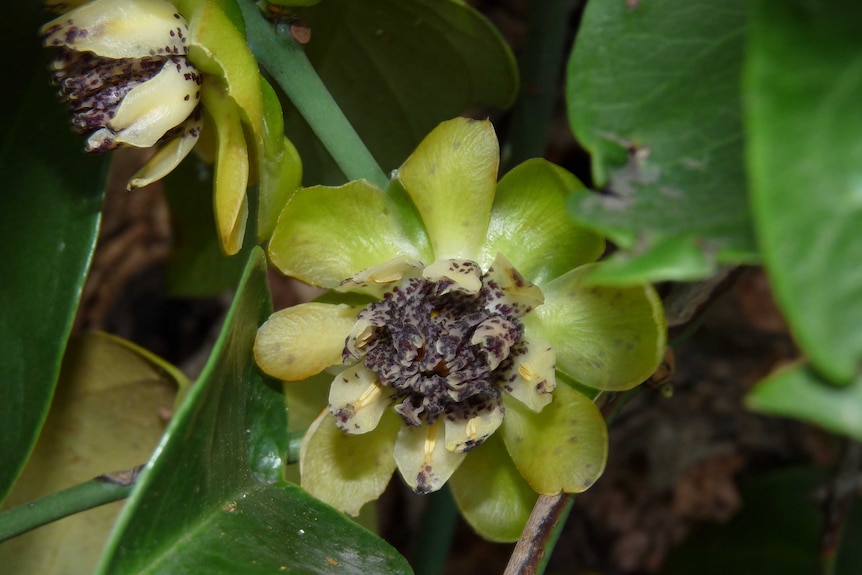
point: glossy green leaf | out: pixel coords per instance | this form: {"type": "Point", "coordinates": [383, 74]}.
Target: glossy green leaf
{"type": "Point", "coordinates": [799, 392]}
{"type": "Point", "coordinates": [211, 500]}
{"type": "Point", "coordinates": [196, 266]}
{"type": "Point", "coordinates": [397, 68]}
{"type": "Point", "coordinates": [804, 84]}
{"type": "Point", "coordinates": [106, 416]}
{"type": "Point", "coordinates": [653, 94]}
{"type": "Point", "coordinates": [49, 215]}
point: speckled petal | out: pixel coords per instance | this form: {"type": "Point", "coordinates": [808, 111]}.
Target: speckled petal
{"type": "Point", "coordinates": [610, 338]}
{"type": "Point", "coordinates": [152, 108]}
{"type": "Point", "coordinates": [300, 341]}
{"type": "Point", "coordinates": [168, 156]}
{"type": "Point", "coordinates": [379, 279]}
{"type": "Point", "coordinates": [491, 494]}
{"type": "Point", "coordinates": [120, 29]}
{"type": "Point", "coordinates": [530, 223]}
{"type": "Point", "coordinates": [464, 434]}
{"type": "Point", "coordinates": [532, 378]}
{"type": "Point", "coordinates": [462, 276]}
{"type": "Point", "coordinates": [422, 457]}
{"type": "Point", "coordinates": [451, 178]}
{"type": "Point", "coordinates": [357, 400]}
{"type": "Point", "coordinates": [507, 287]}
{"type": "Point", "coordinates": [563, 448]}
{"type": "Point", "coordinates": [327, 234]}
{"type": "Point", "coordinates": [346, 471]}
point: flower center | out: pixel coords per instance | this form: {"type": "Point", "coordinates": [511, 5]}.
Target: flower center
{"type": "Point", "coordinates": [438, 348]}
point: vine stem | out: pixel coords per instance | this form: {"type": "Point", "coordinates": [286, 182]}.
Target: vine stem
{"type": "Point", "coordinates": [286, 61]}
{"type": "Point", "coordinates": [99, 491]}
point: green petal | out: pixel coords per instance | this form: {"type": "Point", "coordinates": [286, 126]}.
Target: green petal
{"type": "Point", "coordinates": [357, 400]}
{"type": "Point", "coordinates": [563, 448]}
{"type": "Point", "coordinates": [610, 338]}
{"type": "Point", "coordinates": [231, 171]}
{"type": "Point", "coordinates": [451, 178]}
{"type": "Point", "coordinates": [120, 29]}
{"type": "Point", "coordinates": [422, 457]}
{"type": "Point", "coordinates": [344, 470]}
{"type": "Point", "coordinates": [492, 496]}
{"type": "Point", "coordinates": [531, 226]}
{"type": "Point", "coordinates": [325, 235]}
{"type": "Point", "coordinates": [300, 341]}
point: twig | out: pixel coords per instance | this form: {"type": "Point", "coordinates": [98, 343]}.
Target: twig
{"type": "Point", "coordinates": [99, 491]}
{"type": "Point", "coordinates": [534, 548]}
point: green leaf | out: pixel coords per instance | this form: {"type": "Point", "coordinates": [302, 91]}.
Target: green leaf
{"type": "Point", "coordinates": [799, 392]}
{"type": "Point", "coordinates": [197, 267]}
{"type": "Point", "coordinates": [104, 418]}
{"type": "Point", "coordinates": [50, 209]}
{"type": "Point", "coordinates": [211, 501]}
{"type": "Point", "coordinates": [397, 68]}
{"type": "Point", "coordinates": [653, 95]}
{"type": "Point", "coordinates": [804, 83]}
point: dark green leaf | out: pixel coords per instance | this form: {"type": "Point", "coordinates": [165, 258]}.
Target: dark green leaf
{"type": "Point", "coordinates": [653, 95]}
{"type": "Point", "coordinates": [50, 207]}
{"type": "Point", "coordinates": [207, 504]}
{"type": "Point", "coordinates": [799, 392]}
{"type": "Point", "coordinates": [805, 158]}
{"type": "Point", "coordinates": [397, 68]}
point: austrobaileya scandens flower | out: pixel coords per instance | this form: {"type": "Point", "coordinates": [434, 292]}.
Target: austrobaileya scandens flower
{"type": "Point", "coordinates": [460, 339]}
{"type": "Point", "coordinates": [142, 73]}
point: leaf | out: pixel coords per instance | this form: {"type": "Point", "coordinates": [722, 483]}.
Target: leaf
{"type": "Point", "coordinates": [804, 83]}
{"type": "Point", "coordinates": [799, 392]}
{"type": "Point", "coordinates": [397, 68]}
{"type": "Point", "coordinates": [104, 418]}
{"type": "Point", "coordinates": [653, 95]}
{"type": "Point", "coordinates": [210, 501]}
{"type": "Point", "coordinates": [49, 216]}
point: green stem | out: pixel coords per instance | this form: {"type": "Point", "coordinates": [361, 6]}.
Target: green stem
{"type": "Point", "coordinates": [435, 534]}
{"type": "Point", "coordinates": [81, 497]}
{"type": "Point", "coordinates": [286, 61]}
{"type": "Point", "coordinates": [541, 69]}
{"type": "Point", "coordinates": [294, 445]}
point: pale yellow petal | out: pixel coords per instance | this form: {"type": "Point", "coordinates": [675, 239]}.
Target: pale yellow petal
{"type": "Point", "coordinates": [532, 376]}
{"type": "Point", "coordinates": [466, 433]}
{"type": "Point", "coordinates": [509, 292]}
{"type": "Point", "coordinates": [379, 279]}
{"type": "Point", "coordinates": [422, 457]}
{"type": "Point", "coordinates": [120, 29]}
{"type": "Point", "coordinates": [357, 399]}
{"type": "Point", "coordinates": [168, 156]}
{"type": "Point", "coordinates": [153, 108]}
{"type": "Point", "coordinates": [457, 275]}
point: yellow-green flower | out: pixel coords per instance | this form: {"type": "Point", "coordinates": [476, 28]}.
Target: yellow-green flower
{"type": "Point", "coordinates": [146, 72]}
{"type": "Point", "coordinates": [469, 336]}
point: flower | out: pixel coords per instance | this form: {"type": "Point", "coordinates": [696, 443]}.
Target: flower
{"type": "Point", "coordinates": [460, 338]}
{"type": "Point", "coordinates": [135, 73]}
